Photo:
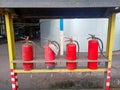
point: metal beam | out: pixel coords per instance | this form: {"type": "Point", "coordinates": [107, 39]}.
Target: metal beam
{"type": "Point", "coordinates": [27, 24]}
{"type": "Point", "coordinates": [110, 37]}
{"type": "Point", "coordinates": [58, 17]}
{"type": "Point", "coordinates": [109, 48]}
{"type": "Point", "coordinates": [59, 70]}
{"type": "Point", "coordinates": [10, 37]}
{"type": "Point", "coordinates": [58, 3]}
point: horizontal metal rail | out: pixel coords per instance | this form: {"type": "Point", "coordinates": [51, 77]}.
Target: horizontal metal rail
{"type": "Point", "coordinates": [60, 70]}
{"type": "Point", "coordinates": [42, 60]}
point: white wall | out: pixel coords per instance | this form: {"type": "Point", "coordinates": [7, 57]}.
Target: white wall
{"type": "Point", "coordinates": [49, 30]}
{"type": "Point", "coordinates": [79, 30]}
{"type": "Point", "coordinates": [117, 33]}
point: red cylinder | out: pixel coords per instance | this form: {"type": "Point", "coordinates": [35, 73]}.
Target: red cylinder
{"type": "Point", "coordinates": [49, 55]}
{"type": "Point", "coordinates": [27, 55]}
{"type": "Point", "coordinates": [71, 55]}
{"type": "Point", "coordinates": [92, 53]}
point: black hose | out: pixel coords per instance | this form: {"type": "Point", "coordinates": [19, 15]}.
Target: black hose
{"type": "Point", "coordinates": [77, 44]}
{"type": "Point", "coordinates": [100, 48]}
{"type": "Point", "coordinates": [55, 42]}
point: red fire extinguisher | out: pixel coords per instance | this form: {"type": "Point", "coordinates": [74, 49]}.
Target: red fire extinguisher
{"type": "Point", "coordinates": [51, 49]}
{"type": "Point", "coordinates": [93, 46]}
{"type": "Point", "coordinates": [27, 54]}
{"type": "Point", "coordinates": [71, 54]}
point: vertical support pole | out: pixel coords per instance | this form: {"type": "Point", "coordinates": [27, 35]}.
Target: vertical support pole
{"type": "Point", "coordinates": [9, 39]}
{"type": "Point", "coordinates": [61, 37]}
{"type": "Point", "coordinates": [11, 48]}
{"type": "Point", "coordinates": [108, 36]}
{"type": "Point", "coordinates": [109, 49]}
{"type": "Point", "coordinates": [12, 36]}
{"type": "Point", "coordinates": [111, 39]}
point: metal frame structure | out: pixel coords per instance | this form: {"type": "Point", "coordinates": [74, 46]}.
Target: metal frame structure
{"type": "Point", "coordinates": [12, 53]}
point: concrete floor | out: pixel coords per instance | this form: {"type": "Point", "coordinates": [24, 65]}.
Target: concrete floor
{"type": "Point", "coordinates": [48, 81]}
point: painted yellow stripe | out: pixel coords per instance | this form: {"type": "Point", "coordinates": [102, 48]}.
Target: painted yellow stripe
{"type": "Point", "coordinates": [9, 39]}
{"type": "Point", "coordinates": [108, 36]}
{"type": "Point", "coordinates": [111, 40]}
{"type": "Point", "coordinates": [12, 37]}
{"type": "Point", "coordinates": [59, 70]}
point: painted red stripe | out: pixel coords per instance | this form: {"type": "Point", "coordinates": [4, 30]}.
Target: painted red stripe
{"type": "Point", "coordinates": [16, 78]}
{"type": "Point", "coordinates": [11, 70]}
{"type": "Point", "coordinates": [14, 89]}
{"type": "Point", "coordinates": [13, 76]}
{"type": "Point", "coordinates": [107, 88]}
{"type": "Point", "coordinates": [108, 80]}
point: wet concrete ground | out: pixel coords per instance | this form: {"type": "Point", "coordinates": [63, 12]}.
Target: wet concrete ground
{"type": "Point", "coordinates": [41, 81]}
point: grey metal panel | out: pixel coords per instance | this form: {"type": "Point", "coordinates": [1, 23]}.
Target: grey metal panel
{"type": "Point", "coordinates": [43, 3]}
{"type": "Point", "coordinates": [104, 3]}
{"type": "Point", "coordinates": [58, 3]}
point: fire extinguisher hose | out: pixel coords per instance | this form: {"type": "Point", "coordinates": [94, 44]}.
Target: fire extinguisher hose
{"type": "Point", "coordinates": [55, 47]}
{"type": "Point", "coordinates": [77, 45]}
{"type": "Point", "coordinates": [56, 44]}
{"type": "Point", "coordinates": [100, 48]}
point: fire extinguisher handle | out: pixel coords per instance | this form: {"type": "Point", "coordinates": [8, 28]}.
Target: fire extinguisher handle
{"type": "Point", "coordinates": [91, 36]}
{"type": "Point", "coordinates": [67, 40]}
{"type": "Point", "coordinates": [67, 37]}
{"type": "Point", "coordinates": [32, 42]}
